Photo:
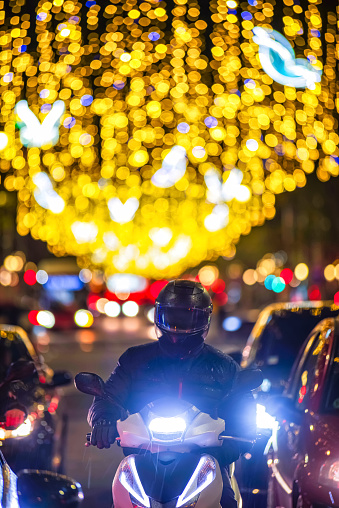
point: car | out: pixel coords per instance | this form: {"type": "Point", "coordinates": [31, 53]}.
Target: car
{"type": "Point", "coordinates": [273, 346]}
{"type": "Point", "coordinates": [32, 444]}
{"type": "Point", "coordinates": [304, 460]}
{"type": "Point", "coordinates": [34, 488]}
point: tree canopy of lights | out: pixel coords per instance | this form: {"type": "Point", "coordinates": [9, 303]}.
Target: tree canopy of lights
{"type": "Point", "coordinates": [146, 136]}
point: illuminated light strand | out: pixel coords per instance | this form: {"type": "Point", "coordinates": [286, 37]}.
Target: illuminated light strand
{"type": "Point", "coordinates": [126, 89]}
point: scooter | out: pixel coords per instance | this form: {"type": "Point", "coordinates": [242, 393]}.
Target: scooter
{"type": "Point", "coordinates": [166, 465]}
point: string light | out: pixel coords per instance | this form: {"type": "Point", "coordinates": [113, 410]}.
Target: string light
{"type": "Point", "coordinates": [150, 102]}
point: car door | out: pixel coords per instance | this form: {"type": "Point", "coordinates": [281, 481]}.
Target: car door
{"type": "Point", "coordinates": [290, 435]}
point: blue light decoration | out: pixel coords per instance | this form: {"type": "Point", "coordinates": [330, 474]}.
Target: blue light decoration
{"type": "Point", "coordinates": [211, 122]}
{"type": "Point", "coordinates": [86, 100]}
{"type": "Point", "coordinates": [278, 60]}
{"type": "Point", "coordinates": [64, 283]}
{"type": "Point", "coordinates": [69, 122]}
{"type": "Point", "coordinates": [269, 281]}
{"type": "Point", "coordinates": [246, 15]}
{"type": "Point", "coordinates": [41, 16]}
{"type": "Point", "coordinates": [183, 127]}
{"type": "Point", "coordinates": [118, 84]}
{"type": "Point", "coordinates": [278, 285]}
{"type": "Point", "coordinates": [231, 324]}
{"type": "Point", "coordinates": [154, 36]}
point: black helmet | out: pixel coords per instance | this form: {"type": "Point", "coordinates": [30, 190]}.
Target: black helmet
{"type": "Point", "coordinates": [182, 317]}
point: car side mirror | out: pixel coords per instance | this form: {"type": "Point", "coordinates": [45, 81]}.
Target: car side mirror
{"type": "Point", "coordinates": [18, 371]}
{"type": "Point", "coordinates": [283, 408]}
{"type": "Point", "coordinates": [47, 489]}
{"type": "Point", "coordinates": [61, 378]}
{"type": "Point", "coordinates": [92, 384]}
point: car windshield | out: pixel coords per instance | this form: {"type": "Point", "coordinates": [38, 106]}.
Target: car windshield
{"type": "Point", "coordinates": [282, 337]}
{"type": "Point", "coordinates": [332, 402]}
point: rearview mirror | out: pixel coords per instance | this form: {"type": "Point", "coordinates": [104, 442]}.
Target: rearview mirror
{"type": "Point", "coordinates": [61, 378]}
{"type": "Point", "coordinates": [92, 384]}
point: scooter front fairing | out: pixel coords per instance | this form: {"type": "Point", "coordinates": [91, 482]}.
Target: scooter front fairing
{"type": "Point", "coordinates": [168, 480]}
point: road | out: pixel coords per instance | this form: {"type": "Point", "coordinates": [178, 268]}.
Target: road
{"type": "Point", "coordinates": [97, 350]}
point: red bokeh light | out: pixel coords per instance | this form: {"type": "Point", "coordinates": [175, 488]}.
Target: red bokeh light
{"type": "Point", "coordinates": [336, 299]}
{"type": "Point", "coordinates": [30, 277]}
{"type": "Point", "coordinates": [314, 293]}
{"type": "Point", "coordinates": [156, 287]}
{"type": "Point", "coordinates": [287, 275]}
{"type": "Point", "coordinates": [221, 298]}
{"type": "Point", "coordinates": [218, 286]}
{"type": "Point", "coordinates": [32, 317]}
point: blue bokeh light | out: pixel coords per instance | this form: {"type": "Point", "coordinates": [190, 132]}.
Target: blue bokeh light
{"type": "Point", "coordinates": [183, 127]}
{"type": "Point", "coordinates": [231, 324]}
{"type": "Point", "coordinates": [119, 84]}
{"type": "Point", "coordinates": [86, 100]}
{"type": "Point", "coordinates": [45, 108]}
{"type": "Point", "coordinates": [41, 16]}
{"type": "Point", "coordinates": [154, 36]}
{"type": "Point", "coordinates": [269, 281]}
{"type": "Point", "coordinates": [210, 122]}
{"type": "Point", "coordinates": [246, 15]}
{"type": "Point", "coordinates": [69, 122]}
{"type": "Point", "coordinates": [278, 285]}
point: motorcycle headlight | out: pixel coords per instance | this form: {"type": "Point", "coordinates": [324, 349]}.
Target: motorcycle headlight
{"type": "Point", "coordinates": [129, 478]}
{"type": "Point", "coordinates": [167, 428]}
{"type": "Point", "coordinates": [203, 476]}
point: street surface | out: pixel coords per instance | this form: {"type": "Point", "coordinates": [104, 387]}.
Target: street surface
{"type": "Point", "coordinates": [97, 350]}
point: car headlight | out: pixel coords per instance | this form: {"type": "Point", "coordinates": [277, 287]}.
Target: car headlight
{"type": "Point", "coordinates": [167, 428]}
{"type": "Point", "coordinates": [329, 473]}
{"type": "Point", "coordinates": [203, 476]}
{"type": "Point", "coordinates": [264, 420]}
{"type": "Point", "coordinates": [129, 478]}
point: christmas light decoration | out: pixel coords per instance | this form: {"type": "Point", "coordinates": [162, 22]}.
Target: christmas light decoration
{"type": "Point", "coordinates": [173, 139]}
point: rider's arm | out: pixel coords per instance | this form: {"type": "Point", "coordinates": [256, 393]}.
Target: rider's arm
{"type": "Point", "coordinates": [117, 386]}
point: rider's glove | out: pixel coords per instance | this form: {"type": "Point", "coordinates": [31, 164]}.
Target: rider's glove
{"type": "Point", "coordinates": [104, 433]}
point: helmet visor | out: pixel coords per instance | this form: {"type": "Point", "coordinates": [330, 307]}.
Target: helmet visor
{"type": "Point", "coordinates": [181, 320]}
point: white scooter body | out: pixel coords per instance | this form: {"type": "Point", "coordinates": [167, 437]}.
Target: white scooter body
{"type": "Point", "coordinates": [174, 472]}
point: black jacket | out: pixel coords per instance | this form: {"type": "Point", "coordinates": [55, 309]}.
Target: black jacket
{"type": "Point", "coordinates": [144, 374]}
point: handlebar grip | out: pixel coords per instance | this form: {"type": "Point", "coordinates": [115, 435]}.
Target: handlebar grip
{"type": "Point", "coordinates": [88, 437]}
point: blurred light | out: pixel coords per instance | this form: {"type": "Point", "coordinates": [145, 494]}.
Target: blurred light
{"type": "Point", "coordinates": [41, 276]}
{"type": "Point", "coordinates": [160, 236]}
{"type": "Point", "coordinates": [264, 420]}
{"type": "Point", "coordinates": [336, 299]}
{"type": "Point", "coordinates": [112, 309]}
{"type": "Point", "coordinates": [23, 430]}
{"type": "Point", "coordinates": [269, 281]}
{"type": "Point", "coordinates": [287, 275]}
{"type": "Point", "coordinates": [266, 385]}
{"type": "Point", "coordinates": [3, 140]}
{"type": "Point", "coordinates": [218, 286]}
{"type": "Point", "coordinates": [150, 315]}
{"type": "Point", "coordinates": [250, 277]}
{"type": "Point", "coordinates": [130, 309]}
{"type": "Point", "coordinates": [173, 168]}
{"type": "Point", "coordinates": [30, 277]}
{"type": "Point", "coordinates": [13, 263]}
{"type": "Point", "coordinates": [231, 324]}
{"type": "Point", "coordinates": [156, 287]}
{"type": "Point", "coordinates": [83, 318]}
{"type": "Point", "coordinates": [100, 305]}
{"type": "Point", "coordinates": [314, 293]}
{"type": "Point", "coordinates": [301, 271]}
{"type": "Point", "coordinates": [45, 318]}
{"type": "Point", "coordinates": [85, 275]}
{"type": "Point", "coordinates": [211, 122]}
{"type": "Point", "coordinates": [126, 283]}
{"type": "Point", "coordinates": [252, 145]}
{"type": "Point", "coordinates": [208, 274]}
{"type": "Point", "coordinates": [329, 273]}
{"type": "Point", "coordinates": [278, 285]}
{"type": "Point", "coordinates": [32, 317]}
{"type": "Point", "coordinates": [84, 231]}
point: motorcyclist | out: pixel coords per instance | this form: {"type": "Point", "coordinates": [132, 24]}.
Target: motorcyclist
{"type": "Point", "coordinates": [14, 401]}
{"type": "Point", "coordinates": [179, 364]}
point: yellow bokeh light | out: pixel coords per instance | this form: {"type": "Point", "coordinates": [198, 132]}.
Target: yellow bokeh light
{"type": "Point", "coordinates": [301, 271]}
{"type": "Point", "coordinates": [154, 123]}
